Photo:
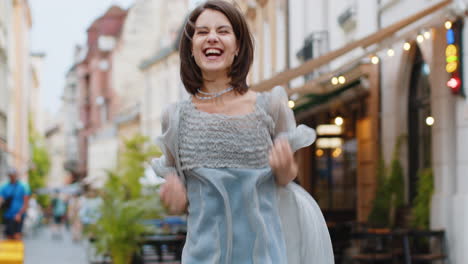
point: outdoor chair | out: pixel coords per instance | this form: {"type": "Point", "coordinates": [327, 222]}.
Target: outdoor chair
{"type": "Point", "coordinates": [373, 246]}
{"type": "Point", "coordinates": [425, 246]}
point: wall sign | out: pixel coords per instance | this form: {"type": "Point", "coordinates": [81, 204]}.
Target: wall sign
{"type": "Point", "coordinates": [453, 56]}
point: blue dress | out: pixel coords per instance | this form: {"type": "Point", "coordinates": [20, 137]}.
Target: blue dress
{"type": "Point", "coordinates": [235, 210]}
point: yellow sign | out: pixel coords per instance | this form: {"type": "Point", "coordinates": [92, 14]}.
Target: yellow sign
{"type": "Point", "coordinates": [451, 50]}
{"type": "Point", "coordinates": [451, 67]}
{"type": "Point", "coordinates": [451, 53]}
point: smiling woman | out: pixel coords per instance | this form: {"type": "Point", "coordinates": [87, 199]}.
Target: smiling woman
{"type": "Point", "coordinates": [228, 155]}
{"type": "Point", "coordinates": [216, 42]}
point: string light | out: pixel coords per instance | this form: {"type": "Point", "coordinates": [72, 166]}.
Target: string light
{"type": "Point", "coordinates": [341, 79]}
{"type": "Point", "coordinates": [430, 121]}
{"type": "Point", "coordinates": [291, 104]}
{"type": "Point", "coordinates": [375, 59]}
{"type": "Point", "coordinates": [319, 152]}
{"type": "Point", "coordinates": [337, 152]}
{"type": "Point", "coordinates": [427, 34]}
{"type": "Point", "coordinates": [420, 38]}
{"type": "Point", "coordinates": [339, 121]}
{"type": "Point", "coordinates": [334, 81]}
{"type": "Point", "coordinates": [390, 52]}
{"type": "Point", "coordinates": [407, 46]}
{"type": "Point", "coordinates": [448, 24]}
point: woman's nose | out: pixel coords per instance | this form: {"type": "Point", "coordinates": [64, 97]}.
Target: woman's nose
{"type": "Point", "coordinates": [212, 37]}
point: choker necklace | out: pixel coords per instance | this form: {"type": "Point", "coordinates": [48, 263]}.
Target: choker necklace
{"type": "Point", "coordinates": [212, 95]}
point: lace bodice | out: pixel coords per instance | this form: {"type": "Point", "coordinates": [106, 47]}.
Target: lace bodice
{"type": "Point", "coordinates": [223, 141]}
{"type": "Point", "coordinates": [195, 139]}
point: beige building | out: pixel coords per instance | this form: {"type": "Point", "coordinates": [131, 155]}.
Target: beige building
{"type": "Point", "coordinates": [21, 86]}
{"type": "Point", "coordinates": [35, 105]}
{"type": "Point", "coordinates": [146, 28]}
{"type": "Point", "coordinates": [160, 68]}
{"type": "Point", "coordinates": [6, 13]}
{"type": "Point", "coordinates": [55, 144]}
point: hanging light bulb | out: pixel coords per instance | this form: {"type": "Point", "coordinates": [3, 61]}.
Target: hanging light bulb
{"type": "Point", "coordinates": [334, 81]}
{"type": "Point", "coordinates": [390, 52]}
{"type": "Point", "coordinates": [407, 46]}
{"type": "Point", "coordinates": [341, 80]}
{"type": "Point", "coordinates": [339, 121]}
{"type": "Point", "coordinates": [427, 34]}
{"type": "Point", "coordinates": [319, 152]}
{"type": "Point", "coordinates": [448, 24]}
{"type": "Point", "coordinates": [337, 152]}
{"type": "Point", "coordinates": [375, 59]}
{"type": "Point", "coordinates": [430, 120]}
{"type": "Point", "coordinates": [420, 38]}
{"type": "Point", "coordinates": [291, 104]}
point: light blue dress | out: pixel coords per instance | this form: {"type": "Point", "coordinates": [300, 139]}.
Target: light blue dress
{"type": "Point", "coordinates": [236, 212]}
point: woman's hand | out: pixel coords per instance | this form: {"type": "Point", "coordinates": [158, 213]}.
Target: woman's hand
{"type": "Point", "coordinates": [174, 195]}
{"type": "Point", "coordinates": [282, 162]}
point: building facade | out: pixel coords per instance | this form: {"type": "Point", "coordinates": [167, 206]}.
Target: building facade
{"type": "Point", "coordinates": [365, 75]}
{"type": "Point", "coordinates": [21, 81]}
{"type": "Point", "coordinates": [6, 8]}
{"type": "Point", "coordinates": [148, 28]}
{"type": "Point", "coordinates": [97, 100]}
{"type": "Point", "coordinates": [55, 139]}
{"type": "Point", "coordinates": [162, 83]}
{"type": "Point", "coordinates": [72, 123]}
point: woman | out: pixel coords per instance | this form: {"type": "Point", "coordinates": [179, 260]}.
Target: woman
{"type": "Point", "coordinates": [228, 155]}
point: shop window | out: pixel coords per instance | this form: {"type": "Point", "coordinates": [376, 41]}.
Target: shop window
{"type": "Point", "coordinates": [335, 164]}
{"type": "Point", "coordinates": [419, 112]}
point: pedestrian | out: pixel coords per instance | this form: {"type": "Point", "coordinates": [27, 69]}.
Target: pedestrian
{"type": "Point", "coordinates": [228, 154]}
{"type": "Point", "coordinates": [74, 207]}
{"type": "Point", "coordinates": [14, 199]}
{"type": "Point", "coordinates": [59, 209]}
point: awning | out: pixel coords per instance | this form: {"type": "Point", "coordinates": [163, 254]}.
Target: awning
{"type": "Point", "coordinates": [286, 76]}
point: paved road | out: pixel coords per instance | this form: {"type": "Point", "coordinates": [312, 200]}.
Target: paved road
{"type": "Point", "coordinates": [43, 249]}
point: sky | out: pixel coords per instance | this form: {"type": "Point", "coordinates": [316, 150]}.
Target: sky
{"type": "Point", "coordinates": [58, 25]}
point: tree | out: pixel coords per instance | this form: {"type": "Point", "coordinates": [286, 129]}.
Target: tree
{"type": "Point", "coordinates": [40, 166]}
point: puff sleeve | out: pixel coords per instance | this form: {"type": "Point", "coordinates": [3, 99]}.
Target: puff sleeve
{"type": "Point", "coordinates": [165, 164]}
{"type": "Point", "coordinates": [284, 122]}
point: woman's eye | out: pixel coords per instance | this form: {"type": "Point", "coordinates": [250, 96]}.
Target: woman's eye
{"type": "Point", "coordinates": [223, 32]}
{"type": "Point", "coordinates": [202, 32]}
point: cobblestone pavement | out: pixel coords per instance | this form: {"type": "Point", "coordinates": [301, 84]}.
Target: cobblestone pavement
{"type": "Point", "coordinates": [42, 248]}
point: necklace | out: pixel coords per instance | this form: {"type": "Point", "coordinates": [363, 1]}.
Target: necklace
{"type": "Point", "coordinates": [212, 95]}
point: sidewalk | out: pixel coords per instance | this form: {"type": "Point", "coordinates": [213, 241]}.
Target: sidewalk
{"type": "Point", "coordinates": [42, 249]}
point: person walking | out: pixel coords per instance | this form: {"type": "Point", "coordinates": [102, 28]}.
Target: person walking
{"type": "Point", "coordinates": [228, 154]}
{"type": "Point", "coordinates": [74, 206]}
{"type": "Point", "coordinates": [59, 209]}
{"type": "Point", "coordinates": [14, 199]}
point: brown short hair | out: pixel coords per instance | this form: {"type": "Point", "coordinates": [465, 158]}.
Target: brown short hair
{"type": "Point", "coordinates": [191, 74]}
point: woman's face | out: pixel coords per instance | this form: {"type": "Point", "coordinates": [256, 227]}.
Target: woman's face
{"type": "Point", "coordinates": [214, 43]}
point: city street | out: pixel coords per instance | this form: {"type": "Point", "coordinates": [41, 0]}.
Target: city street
{"type": "Point", "coordinates": [42, 249]}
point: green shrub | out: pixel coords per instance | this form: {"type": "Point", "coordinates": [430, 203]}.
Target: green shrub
{"type": "Point", "coordinates": [389, 196]}
{"type": "Point", "coordinates": [420, 213]}
{"type": "Point", "coordinates": [124, 208]}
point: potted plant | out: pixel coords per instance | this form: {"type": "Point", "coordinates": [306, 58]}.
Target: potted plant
{"type": "Point", "coordinates": [389, 197]}
{"type": "Point", "coordinates": [121, 226]}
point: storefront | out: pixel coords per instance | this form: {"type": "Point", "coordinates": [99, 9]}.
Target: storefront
{"type": "Point", "coordinates": [336, 165]}
{"type": "Point", "coordinates": [412, 92]}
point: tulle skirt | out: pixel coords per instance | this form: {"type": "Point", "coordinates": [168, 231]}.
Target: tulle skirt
{"type": "Point", "coordinates": [304, 228]}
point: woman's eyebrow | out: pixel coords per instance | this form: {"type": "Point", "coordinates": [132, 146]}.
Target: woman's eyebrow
{"type": "Point", "coordinates": [219, 27]}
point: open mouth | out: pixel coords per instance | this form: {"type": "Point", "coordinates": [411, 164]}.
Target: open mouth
{"type": "Point", "coordinates": [213, 53]}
